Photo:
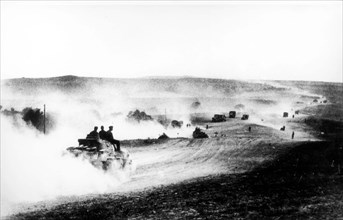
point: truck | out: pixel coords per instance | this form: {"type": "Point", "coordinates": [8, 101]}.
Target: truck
{"type": "Point", "coordinates": [232, 114]}
{"type": "Point", "coordinates": [245, 117]}
{"type": "Point", "coordinates": [218, 118]}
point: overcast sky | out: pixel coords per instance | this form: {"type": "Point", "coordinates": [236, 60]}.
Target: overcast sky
{"type": "Point", "coordinates": [237, 40]}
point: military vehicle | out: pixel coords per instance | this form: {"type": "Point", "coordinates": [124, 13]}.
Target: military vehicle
{"type": "Point", "coordinates": [176, 124]}
{"type": "Point", "coordinates": [245, 117]}
{"type": "Point", "coordinates": [285, 114]}
{"type": "Point", "coordinates": [218, 118]}
{"type": "Point", "coordinates": [232, 114]}
{"type": "Point", "coordinates": [101, 154]}
{"type": "Point", "coordinates": [198, 133]}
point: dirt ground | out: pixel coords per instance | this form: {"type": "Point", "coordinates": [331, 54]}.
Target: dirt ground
{"type": "Point", "coordinates": [234, 174]}
{"type": "Point", "coordinates": [293, 185]}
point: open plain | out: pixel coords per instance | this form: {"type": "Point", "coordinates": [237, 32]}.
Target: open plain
{"type": "Point", "coordinates": [245, 169]}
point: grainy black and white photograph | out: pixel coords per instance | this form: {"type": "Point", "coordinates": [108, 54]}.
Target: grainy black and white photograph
{"type": "Point", "coordinates": [171, 109]}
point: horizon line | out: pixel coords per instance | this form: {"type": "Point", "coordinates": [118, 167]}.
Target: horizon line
{"type": "Point", "coordinates": [167, 77]}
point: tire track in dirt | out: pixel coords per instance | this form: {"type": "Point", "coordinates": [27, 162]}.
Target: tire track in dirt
{"type": "Point", "coordinates": [181, 159]}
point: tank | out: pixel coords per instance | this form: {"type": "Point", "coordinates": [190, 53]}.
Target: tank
{"type": "Point", "coordinates": [101, 154]}
{"type": "Point", "coordinates": [198, 133]}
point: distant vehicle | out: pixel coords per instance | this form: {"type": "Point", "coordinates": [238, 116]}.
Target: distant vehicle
{"type": "Point", "coordinates": [245, 117]}
{"type": "Point", "coordinates": [198, 133]}
{"type": "Point", "coordinates": [285, 114]}
{"type": "Point", "coordinates": [315, 100]}
{"type": "Point", "coordinates": [218, 118]}
{"type": "Point", "coordinates": [325, 101]}
{"type": "Point", "coordinates": [101, 154]}
{"type": "Point", "coordinates": [176, 123]}
{"type": "Point", "coordinates": [163, 136]}
{"type": "Point", "coordinates": [282, 128]}
{"type": "Point", "coordinates": [232, 114]}
{"type": "Point", "coordinates": [297, 112]}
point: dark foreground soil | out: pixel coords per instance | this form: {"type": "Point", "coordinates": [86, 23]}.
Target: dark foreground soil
{"type": "Point", "coordinates": [301, 183]}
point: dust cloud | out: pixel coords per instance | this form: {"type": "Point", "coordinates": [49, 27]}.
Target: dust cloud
{"type": "Point", "coordinates": [34, 166]}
